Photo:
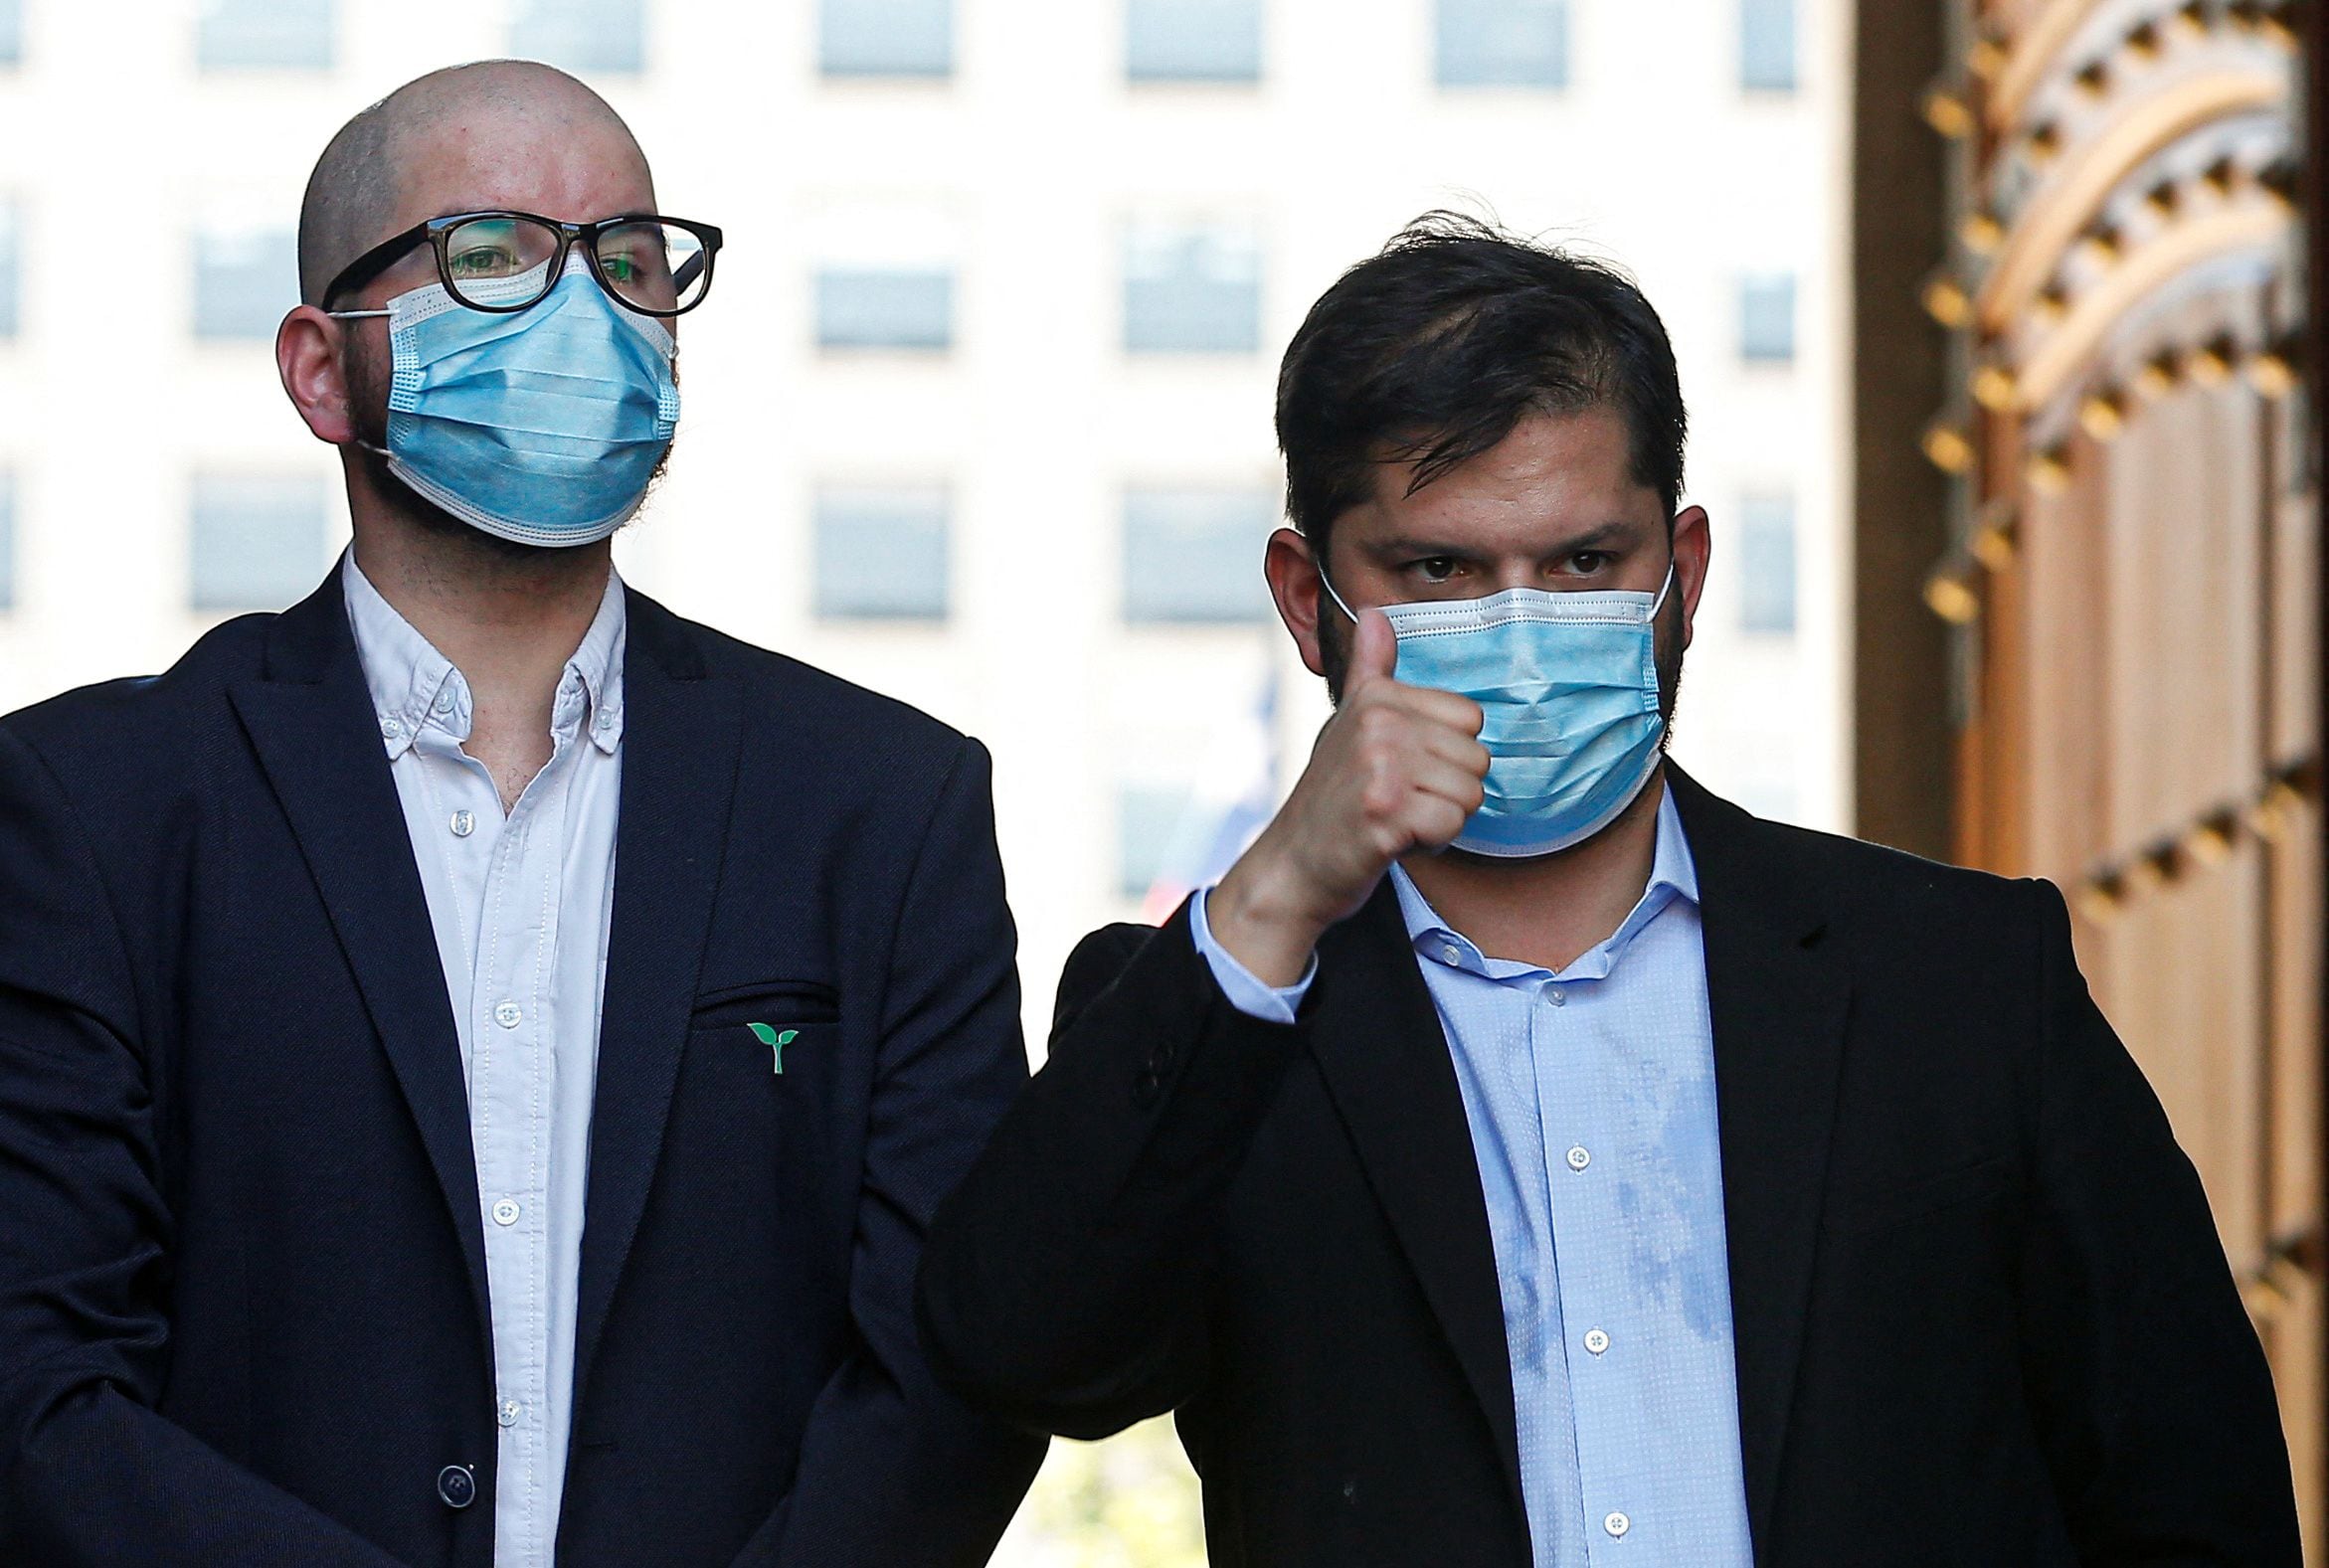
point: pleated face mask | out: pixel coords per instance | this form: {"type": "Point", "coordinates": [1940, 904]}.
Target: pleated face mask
{"type": "Point", "coordinates": [1568, 685]}
{"type": "Point", "coordinates": [542, 427]}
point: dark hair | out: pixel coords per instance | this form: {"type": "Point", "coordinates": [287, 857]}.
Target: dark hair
{"type": "Point", "coordinates": [1431, 351]}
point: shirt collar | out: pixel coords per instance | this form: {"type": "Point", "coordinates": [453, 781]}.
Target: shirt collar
{"type": "Point", "coordinates": [415, 688]}
{"type": "Point", "coordinates": [597, 668]}
{"type": "Point", "coordinates": [1674, 874]}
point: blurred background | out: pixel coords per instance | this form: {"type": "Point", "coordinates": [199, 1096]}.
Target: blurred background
{"type": "Point", "coordinates": [1991, 319]}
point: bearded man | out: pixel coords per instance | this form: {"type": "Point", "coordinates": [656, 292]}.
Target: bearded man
{"type": "Point", "coordinates": [478, 1052]}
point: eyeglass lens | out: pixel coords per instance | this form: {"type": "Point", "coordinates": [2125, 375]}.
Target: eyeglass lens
{"type": "Point", "coordinates": [651, 265]}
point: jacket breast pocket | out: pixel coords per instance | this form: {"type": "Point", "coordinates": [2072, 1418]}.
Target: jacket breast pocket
{"type": "Point", "coordinates": [772, 1029]}
{"type": "Point", "coordinates": [1962, 1187]}
{"type": "Point", "coordinates": [762, 1086]}
{"type": "Point", "coordinates": [781, 1003]}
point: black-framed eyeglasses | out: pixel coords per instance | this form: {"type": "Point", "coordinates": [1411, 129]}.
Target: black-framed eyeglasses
{"type": "Point", "coordinates": [656, 266]}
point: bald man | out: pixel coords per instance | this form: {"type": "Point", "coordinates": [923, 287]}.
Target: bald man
{"type": "Point", "coordinates": [478, 1052]}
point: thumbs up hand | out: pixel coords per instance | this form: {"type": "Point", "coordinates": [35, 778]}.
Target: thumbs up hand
{"type": "Point", "coordinates": [1397, 768]}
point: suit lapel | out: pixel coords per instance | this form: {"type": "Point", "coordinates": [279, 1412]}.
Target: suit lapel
{"type": "Point", "coordinates": [1779, 997]}
{"type": "Point", "coordinates": [1385, 1057]}
{"type": "Point", "coordinates": [310, 719]}
{"type": "Point", "coordinates": [681, 741]}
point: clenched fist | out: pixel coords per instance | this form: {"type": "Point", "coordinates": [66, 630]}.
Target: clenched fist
{"type": "Point", "coordinates": [1397, 768]}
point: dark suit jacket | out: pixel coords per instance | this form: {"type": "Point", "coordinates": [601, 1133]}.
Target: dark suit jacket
{"type": "Point", "coordinates": [1981, 1316]}
{"type": "Point", "coordinates": [243, 1305]}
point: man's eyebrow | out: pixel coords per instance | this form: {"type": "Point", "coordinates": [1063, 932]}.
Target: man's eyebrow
{"type": "Point", "coordinates": [1615, 531]}
{"type": "Point", "coordinates": [1405, 545]}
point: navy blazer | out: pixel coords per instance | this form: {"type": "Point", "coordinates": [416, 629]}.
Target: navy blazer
{"type": "Point", "coordinates": [242, 1306]}
{"type": "Point", "coordinates": [1981, 1316]}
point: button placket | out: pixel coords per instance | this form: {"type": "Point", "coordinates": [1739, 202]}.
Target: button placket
{"type": "Point", "coordinates": [515, 974]}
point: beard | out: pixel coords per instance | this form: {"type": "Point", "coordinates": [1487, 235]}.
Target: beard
{"type": "Point", "coordinates": [368, 389]}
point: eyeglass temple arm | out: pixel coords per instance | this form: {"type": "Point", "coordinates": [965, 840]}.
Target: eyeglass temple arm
{"type": "Point", "coordinates": [688, 270]}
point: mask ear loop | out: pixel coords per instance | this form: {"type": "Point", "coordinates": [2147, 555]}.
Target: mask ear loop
{"type": "Point", "coordinates": [1665, 589]}
{"type": "Point", "coordinates": [358, 315]}
{"type": "Point", "coordinates": [1328, 582]}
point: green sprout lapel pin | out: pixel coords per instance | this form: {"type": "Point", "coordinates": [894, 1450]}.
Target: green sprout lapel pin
{"type": "Point", "coordinates": [775, 1042]}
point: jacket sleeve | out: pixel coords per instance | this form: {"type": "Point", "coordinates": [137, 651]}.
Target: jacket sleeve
{"type": "Point", "coordinates": [1068, 1282]}
{"type": "Point", "coordinates": [894, 1469]}
{"type": "Point", "coordinates": [89, 1473]}
{"type": "Point", "coordinates": [2154, 1403]}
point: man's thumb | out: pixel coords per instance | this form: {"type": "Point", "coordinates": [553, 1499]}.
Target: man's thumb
{"type": "Point", "coordinates": [1374, 650]}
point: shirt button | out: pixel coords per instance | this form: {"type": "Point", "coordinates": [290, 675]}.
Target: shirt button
{"type": "Point", "coordinates": [1556, 995]}
{"type": "Point", "coordinates": [506, 1211]}
{"type": "Point", "coordinates": [392, 727]}
{"type": "Point", "coordinates": [509, 1014]}
{"type": "Point", "coordinates": [1579, 1157]}
{"type": "Point", "coordinates": [1617, 1525]}
{"type": "Point", "coordinates": [508, 1413]}
{"type": "Point", "coordinates": [1451, 952]}
{"type": "Point", "coordinates": [443, 703]}
{"type": "Point", "coordinates": [1596, 1341]}
{"type": "Point", "coordinates": [464, 824]}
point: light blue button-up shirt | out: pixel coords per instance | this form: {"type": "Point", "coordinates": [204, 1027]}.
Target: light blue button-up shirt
{"type": "Point", "coordinates": [521, 904]}
{"type": "Point", "coordinates": [1590, 1095]}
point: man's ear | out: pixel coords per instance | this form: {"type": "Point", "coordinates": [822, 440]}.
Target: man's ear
{"type": "Point", "coordinates": [1295, 586]}
{"type": "Point", "coordinates": [1693, 544]}
{"type": "Point", "coordinates": [311, 354]}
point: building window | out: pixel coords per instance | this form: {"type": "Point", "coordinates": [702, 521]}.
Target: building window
{"type": "Point", "coordinates": [881, 552]}
{"type": "Point", "coordinates": [1766, 531]}
{"type": "Point", "coordinates": [267, 35]}
{"type": "Point", "coordinates": [1766, 45]}
{"type": "Point", "coordinates": [1196, 555]}
{"type": "Point", "coordinates": [7, 541]}
{"type": "Point", "coordinates": [258, 543]}
{"type": "Point", "coordinates": [1192, 40]}
{"type": "Point", "coordinates": [885, 307]}
{"type": "Point", "coordinates": [11, 32]}
{"type": "Point", "coordinates": [1504, 43]}
{"type": "Point", "coordinates": [1146, 815]}
{"type": "Point", "coordinates": [1191, 290]}
{"type": "Point", "coordinates": [245, 279]}
{"type": "Point", "coordinates": [1767, 319]}
{"type": "Point", "coordinates": [10, 230]}
{"type": "Point", "coordinates": [581, 35]}
{"type": "Point", "coordinates": [886, 38]}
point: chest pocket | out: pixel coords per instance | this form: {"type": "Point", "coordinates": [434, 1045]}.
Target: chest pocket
{"type": "Point", "coordinates": [763, 1066]}
{"type": "Point", "coordinates": [1966, 1189]}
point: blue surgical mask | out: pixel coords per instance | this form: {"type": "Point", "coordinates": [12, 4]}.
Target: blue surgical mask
{"type": "Point", "coordinates": [542, 426]}
{"type": "Point", "coordinates": [1568, 685]}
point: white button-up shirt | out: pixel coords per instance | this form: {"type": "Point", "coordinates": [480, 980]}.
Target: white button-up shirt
{"type": "Point", "coordinates": [520, 903]}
